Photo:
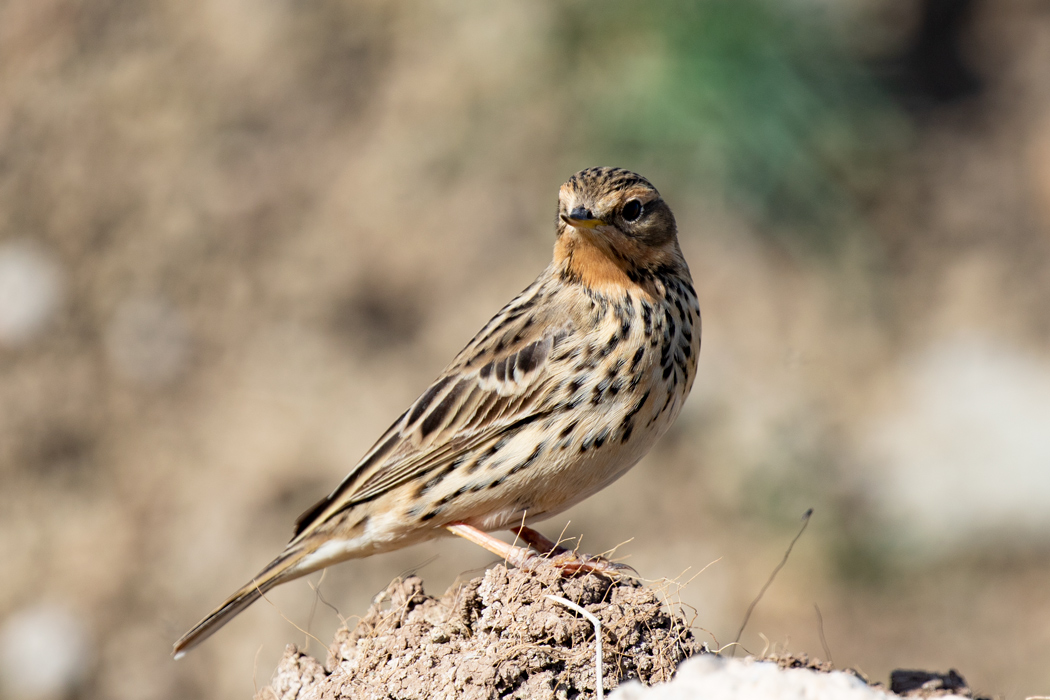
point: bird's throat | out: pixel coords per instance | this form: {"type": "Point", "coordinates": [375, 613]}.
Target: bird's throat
{"type": "Point", "coordinates": [582, 260]}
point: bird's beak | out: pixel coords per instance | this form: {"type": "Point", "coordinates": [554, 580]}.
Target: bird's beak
{"type": "Point", "coordinates": [581, 218]}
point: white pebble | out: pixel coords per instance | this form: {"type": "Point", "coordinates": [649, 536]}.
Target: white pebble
{"type": "Point", "coordinates": [30, 291]}
{"type": "Point", "coordinates": [44, 653]}
{"type": "Point", "coordinates": [711, 677]}
{"type": "Point", "coordinates": [965, 451]}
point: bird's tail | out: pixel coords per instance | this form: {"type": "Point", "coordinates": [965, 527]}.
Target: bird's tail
{"type": "Point", "coordinates": [284, 568]}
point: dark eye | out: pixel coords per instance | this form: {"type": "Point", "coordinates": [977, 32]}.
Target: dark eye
{"type": "Point", "coordinates": [632, 210]}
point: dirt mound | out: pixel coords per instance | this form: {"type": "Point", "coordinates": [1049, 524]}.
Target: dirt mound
{"type": "Point", "coordinates": [498, 635]}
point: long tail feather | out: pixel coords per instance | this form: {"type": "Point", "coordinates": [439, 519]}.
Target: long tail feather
{"type": "Point", "coordinates": [282, 569]}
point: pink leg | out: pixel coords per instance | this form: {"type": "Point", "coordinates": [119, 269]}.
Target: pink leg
{"type": "Point", "coordinates": [570, 563]}
{"type": "Point", "coordinates": [518, 556]}
{"type": "Point", "coordinates": [538, 541]}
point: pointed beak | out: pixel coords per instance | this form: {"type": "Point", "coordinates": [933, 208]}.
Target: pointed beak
{"type": "Point", "coordinates": [581, 218]}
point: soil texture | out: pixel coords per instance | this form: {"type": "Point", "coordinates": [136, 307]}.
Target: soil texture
{"type": "Point", "coordinates": [498, 635]}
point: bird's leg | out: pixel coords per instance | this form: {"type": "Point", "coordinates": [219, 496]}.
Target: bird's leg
{"type": "Point", "coordinates": [520, 557]}
{"type": "Point", "coordinates": [570, 563]}
{"type": "Point", "coordinates": [539, 541]}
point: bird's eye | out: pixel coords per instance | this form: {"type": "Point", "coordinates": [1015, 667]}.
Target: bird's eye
{"type": "Point", "coordinates": [632, 210]}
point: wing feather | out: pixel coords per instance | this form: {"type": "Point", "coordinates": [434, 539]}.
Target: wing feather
{"type": "Point", "coordinates": [483, 396]}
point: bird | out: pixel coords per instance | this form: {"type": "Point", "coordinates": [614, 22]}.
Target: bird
{"type": "Point", "coordinates": [566, 388]}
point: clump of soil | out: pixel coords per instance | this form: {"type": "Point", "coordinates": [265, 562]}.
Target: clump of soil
{"type": "Point", "coordinates": [495, 636]}
{"type": "Point", "coordinates": [927, 684]}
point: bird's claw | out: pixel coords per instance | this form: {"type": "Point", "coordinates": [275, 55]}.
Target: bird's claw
{"type": "Point", "coordinates": [574, 564]}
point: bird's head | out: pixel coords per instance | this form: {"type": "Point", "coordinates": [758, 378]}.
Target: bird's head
{"type": "Point", "coordinates": [613, 222]}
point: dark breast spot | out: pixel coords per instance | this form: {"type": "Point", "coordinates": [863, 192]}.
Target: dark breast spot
{"type": "Point", "coordinates": [647, 318]}
{"type": "Point", "coordinates": [437, 478]}
{"type": "Point", "coordinates": [595, 440]}
{"type": "Point", "coordinates": [586, 365]}
{"type": "Point", "coordinates": [634, 411]}
{"type": "Point", "coordinates": [488, 454]}
{"type": "Point", "coordinates": [638, 355]}
{"type": "Point", "coordinates": [599, 390]}
{"type": "Point", "coordinates": [530, 459]}
{"type": "Point", "coordinates": [665, 351]}
{"type": "Point", "coordinates": [448, 498]}
{"type": "Point", "coordinates": [670, 397]}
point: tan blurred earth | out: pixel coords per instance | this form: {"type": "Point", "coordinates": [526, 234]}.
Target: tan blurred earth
{"type": "Point", "coordinates": [247, 235]}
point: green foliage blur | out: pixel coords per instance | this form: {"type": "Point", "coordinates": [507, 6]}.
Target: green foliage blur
{"type": "Point", "coordinates": [755, 98]}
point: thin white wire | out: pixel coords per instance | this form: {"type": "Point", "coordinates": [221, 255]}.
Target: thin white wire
{"type": "Point", "coordinates": [597, 639]}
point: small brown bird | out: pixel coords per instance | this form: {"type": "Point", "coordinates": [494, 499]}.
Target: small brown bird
{"type": "Point", "coordinates": [563, 391]}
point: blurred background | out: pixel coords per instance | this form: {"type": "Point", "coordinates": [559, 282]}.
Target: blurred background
{"type": "Point", "coordinates": [238, 237]}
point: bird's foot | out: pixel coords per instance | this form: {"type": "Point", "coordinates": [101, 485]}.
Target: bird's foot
{"type": "Point", "coordinates": [570, 562]}
{"type": "Point", "coordinates": [576, 563]}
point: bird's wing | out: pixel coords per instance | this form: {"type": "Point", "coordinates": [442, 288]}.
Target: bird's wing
{"type": "Point", "coordinates": [499, 383]}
